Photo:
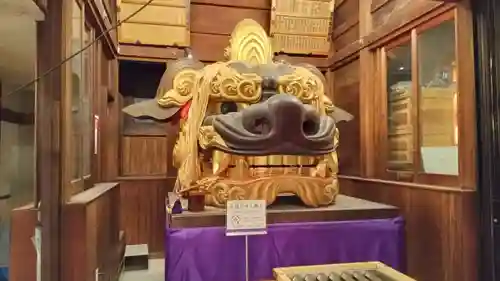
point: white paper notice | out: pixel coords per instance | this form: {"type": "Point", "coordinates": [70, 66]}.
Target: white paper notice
{"type": "Point", "coordinates": [96, 134]}
{"type": "Point", "coordinates": [246, 217]}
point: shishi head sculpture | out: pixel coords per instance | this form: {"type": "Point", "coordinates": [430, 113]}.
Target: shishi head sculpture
{"type": "Point", "coordinates": [250, 128]}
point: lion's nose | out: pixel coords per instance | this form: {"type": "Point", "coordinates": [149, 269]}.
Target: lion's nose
{"type": "Point", "coordinates": [285, 115]}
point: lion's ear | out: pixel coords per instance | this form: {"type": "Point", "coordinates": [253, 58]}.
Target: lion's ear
{"type": "Point", "coordinates": [150, 109]}
{"type": "Point", "coordinates": [339, 115]}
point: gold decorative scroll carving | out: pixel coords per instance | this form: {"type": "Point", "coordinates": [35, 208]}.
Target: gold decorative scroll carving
{"type": "Point", "coordinates": [161, 23]}
{"type": "Point", "coordinates": [301, 26]}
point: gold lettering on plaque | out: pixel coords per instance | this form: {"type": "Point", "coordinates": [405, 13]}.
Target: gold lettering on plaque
{"type": "Point", "coordinates": [301, 26]}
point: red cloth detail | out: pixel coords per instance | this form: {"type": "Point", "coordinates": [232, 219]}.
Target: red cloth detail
{"type": "Point", "coordinates": [185, 110]}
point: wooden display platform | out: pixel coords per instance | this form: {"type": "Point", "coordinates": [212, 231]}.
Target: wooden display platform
{"type": "Point", "coordinates": [288, 209]}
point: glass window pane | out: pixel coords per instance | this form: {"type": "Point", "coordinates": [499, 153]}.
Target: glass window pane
{"type": "Point", "coordinates": [437, 100]}
{"type": "Point", "coordinates": [76, 88]}
{"type": "Point", "coordinates": [86, 105]}
{"type": "Point", "coordinates": [400, 128]}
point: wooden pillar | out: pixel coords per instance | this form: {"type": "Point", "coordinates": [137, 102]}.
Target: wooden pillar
{"type": "Point", "coordinates": [48, 154]}
{"type": "Point", "coordinates": [366, 70]}
{"type": "Point", "coordinates": [488, 119]}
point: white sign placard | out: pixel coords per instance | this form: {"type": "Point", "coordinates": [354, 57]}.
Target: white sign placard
{"type": "Point", "coordinates": [246, 217]}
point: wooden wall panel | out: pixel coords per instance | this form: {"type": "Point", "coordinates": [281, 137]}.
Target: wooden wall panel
{"type": "Point", "coordinates": [202, 18]}
{"type": "Point", "coordinates": [346, 96]}
{"type": "Point", "coordinates": [397, 16]}
{"type": "Point", "coordinates": [441, 223]}
{"type": "Point", "coordinates": [147, 173]}
{"type": "Point", "coordinates": [377, 4]}
{"type": "Point", "coordinates": [159, 23]}
{"type": "Point", "coordinates": [22, 256]}
{"type": "Point", "coordinates": [440, 226]}
{"type": "Point", "coordinates": [254, 4]}
{"type": "Point", "coordinates": [388, 9]}
{"type": "Point", "coordinates": [343, 39]}
{"type": "Point", "coordinates": [347, 12]}
{"type": "Point", "coordinates": [92, 239]}
{"type": "Point", "coordinates": [209, 47]}
{"type": "Point", "coordinates": [109, 128]}
{"type": "Point", "coordinates": [209, 37]}
{"type": "Point", "coordinates": [144, 156]}
{"type": "Point", "coordinates": [345, 24]}
{"type": "Point", "coordinates": [143, 214]}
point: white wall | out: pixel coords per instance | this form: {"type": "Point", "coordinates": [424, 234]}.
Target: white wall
{"type": "Point", "coordinates": [17, 64]}
{"type": "Point", "coordinates": [17, 161]}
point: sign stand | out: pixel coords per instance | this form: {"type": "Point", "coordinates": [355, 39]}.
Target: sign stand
{"type": "Point", "coordinates": [247, 275]}
{"type": "Point", "coordinates": [245, 218]}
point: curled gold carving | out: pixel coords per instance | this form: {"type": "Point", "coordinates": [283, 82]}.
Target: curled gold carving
{"type": "Point", "coordinates": [180, 150]}
{"type": "Point", "coordinates": [227, 53]}
{"type": "Point", "coordinates": [220, 193]}
{"type": "Point", "coordinates": [327, 102]}
{"type": "Point", "coordinates": [237, 193]}
{"type": "Point", "coordinates": [249, 42]}
{"type": "Point", "coordinates": [189, 170]}
{"type": "Point", "coordinates": [294, 87]}
{"type": "Point", "coordinates": [181, 92]}
{"type": "Point", "coordinates": [304, 85]}
{"type": "Point", "coordinates": [229, 84]}
{"type": "Point", "coordinates": [226, 84]}
{"type": "Point", "coordinates": [313, 192]}
{"type": "Point", "coordinates": [209, 138]}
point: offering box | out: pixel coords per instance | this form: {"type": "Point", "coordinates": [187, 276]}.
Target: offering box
{"type": "Point", "coordinates": [366, 271]}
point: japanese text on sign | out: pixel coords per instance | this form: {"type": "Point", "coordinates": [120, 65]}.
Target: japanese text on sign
{"type": "Point", "coordinates": [246, 217]}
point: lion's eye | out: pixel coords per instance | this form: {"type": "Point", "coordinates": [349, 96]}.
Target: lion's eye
{"type": "Point", "coordinates": [227, 107]}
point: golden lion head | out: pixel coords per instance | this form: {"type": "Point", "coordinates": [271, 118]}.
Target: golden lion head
{"type": "Point", "coordinates": [251, 128]}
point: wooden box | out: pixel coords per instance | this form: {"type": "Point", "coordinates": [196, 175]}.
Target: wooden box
{"type": "Point", "coordinates": [162, 23]}
{"type": "Point", "coordinates": [371, 271]}
{"type": "Point", "coordinates": [301, 26]}
{"type": "Point", "coordinates": [400, 131]}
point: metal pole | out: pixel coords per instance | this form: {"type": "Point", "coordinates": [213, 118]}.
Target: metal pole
{"type": "Point", "coordinates": [37, 242]}
{"type": "Point", "coordinates": [247, 278]}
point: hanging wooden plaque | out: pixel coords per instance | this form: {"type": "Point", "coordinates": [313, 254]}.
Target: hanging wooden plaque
{"type": "Point", "coordinates": [301, 26]}
{"type": "Point", "coordinates": [161, 23]}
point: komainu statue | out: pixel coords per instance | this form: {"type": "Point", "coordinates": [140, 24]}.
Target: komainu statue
{"type": "Point", "coordinates": [250, 127]}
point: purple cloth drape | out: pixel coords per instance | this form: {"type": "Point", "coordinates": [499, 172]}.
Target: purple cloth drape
{"type": "Point", "coordinates": [206, 254]}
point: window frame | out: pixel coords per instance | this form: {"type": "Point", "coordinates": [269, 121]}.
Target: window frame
{"type": "Point", "coordinates": [90, 82]}
{"type": "Point", "coordinates": [88, 86]}
{"type": "Point", "coordinates": [416, 175]}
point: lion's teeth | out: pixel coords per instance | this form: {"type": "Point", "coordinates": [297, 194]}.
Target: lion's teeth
{"type": "Point", "coordinates": [289, 160]}
{"type": "Point", "coordinates": [220, 162]}
{"type": "Point", "coordinates": [240, 169]}
{"type": "Point", "coordinates": [321, 170]}
{"type": "Point", "coordinates": [275, 160]}
{"type": "Point", "coordinates": [332, 162]}
{"type": "Point", "coordinates": [260, 161]}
